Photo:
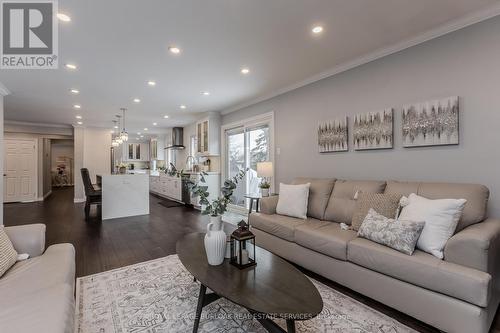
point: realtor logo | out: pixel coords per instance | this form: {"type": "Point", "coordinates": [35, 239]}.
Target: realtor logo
{"type": "Point", "coordinates": [29, 34]}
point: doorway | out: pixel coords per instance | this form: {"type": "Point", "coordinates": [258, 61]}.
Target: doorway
{"type": "Point", "coordinates": [62, 163]}
{"type": "Point", "coordinates": [20, 164]}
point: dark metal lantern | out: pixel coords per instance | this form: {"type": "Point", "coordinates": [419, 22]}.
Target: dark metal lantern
{"type": "Point", "coordinates": [243, 247]}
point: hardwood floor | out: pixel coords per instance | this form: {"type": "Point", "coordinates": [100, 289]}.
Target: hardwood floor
{"type": "Point", "coordinates": [106, 245]}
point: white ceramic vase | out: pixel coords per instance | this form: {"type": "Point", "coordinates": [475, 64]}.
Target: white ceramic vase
{"type": "Point", "coordinates": [215, 241]}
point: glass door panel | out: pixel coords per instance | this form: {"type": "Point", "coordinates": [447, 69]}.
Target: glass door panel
{"type": "Point", "coordinates": [235, 147]}
{"type": "Point", "coordinates": [245, 147]}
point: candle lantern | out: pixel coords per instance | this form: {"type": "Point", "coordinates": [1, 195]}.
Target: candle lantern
{"type": "Point", "coordinates": [243, 247]}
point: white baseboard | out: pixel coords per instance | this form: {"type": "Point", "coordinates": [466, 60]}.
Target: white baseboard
{"type": "Point", "coordinates": [79, 200]}
{"type": "Point", "coordinates": [44, 197]}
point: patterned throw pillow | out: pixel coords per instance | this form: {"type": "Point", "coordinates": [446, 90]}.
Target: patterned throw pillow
{"type": "Point", "coordinates": [8, 255]}
{"type": "Point", "coordinates": [384, 204]}
{"type": "Point", "coordinates": [396, 234]}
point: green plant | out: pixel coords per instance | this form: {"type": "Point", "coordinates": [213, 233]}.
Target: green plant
{"type": "Point", "coordinates": [217, 206]}
{"type": "Point", "coordinates": [265, 184]}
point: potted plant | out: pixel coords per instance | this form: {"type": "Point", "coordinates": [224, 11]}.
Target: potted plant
{"type": "Point", "coordinates": [122, 168]}
{"type": "Point", "coordinates": [215, 239]}
{"type": "Point", "coordinates": [264, 188]}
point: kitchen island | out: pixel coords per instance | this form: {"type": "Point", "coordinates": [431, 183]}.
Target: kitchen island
{"type": "Point", "coordinates": [124, 195]}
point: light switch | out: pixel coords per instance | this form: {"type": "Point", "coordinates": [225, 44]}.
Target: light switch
{"type": "Point", "coordinates": [278, 151]}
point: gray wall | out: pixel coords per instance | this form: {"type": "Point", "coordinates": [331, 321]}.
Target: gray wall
{"type": "Point", "coordinates": [464, 63]}
{"type": "Point", "coordinates": [1, 158]}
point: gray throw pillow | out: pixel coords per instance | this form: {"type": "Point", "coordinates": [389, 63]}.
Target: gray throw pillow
{"type": "Point", "coordinates": [396, 234]}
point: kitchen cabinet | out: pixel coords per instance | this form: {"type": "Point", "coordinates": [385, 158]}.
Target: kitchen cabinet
{"type": "Point", "coordinates": [135, 151]}
{"type": "Point", "coordinates": [157, 148]}
{"type": "Point", "coordinates": [166, 186]}
{"type": "Point", "coordinates": [208, 135]}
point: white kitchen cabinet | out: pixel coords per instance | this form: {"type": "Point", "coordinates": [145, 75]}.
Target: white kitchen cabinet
{"type": "Point", "coordinates": [208, 135]}
{"type": "Point", "coordinates": [135, 151]}
{"type": "Point", "coordinates": [166, 186]}
{"type": "Point", "coordinates": [157, 148]}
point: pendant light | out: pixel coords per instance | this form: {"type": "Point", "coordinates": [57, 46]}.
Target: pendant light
{"type": "Point", "coordinates": [114, 143]}
{"type": "Point", "coordinates": [123, 134]}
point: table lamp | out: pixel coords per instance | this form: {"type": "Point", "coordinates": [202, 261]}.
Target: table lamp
{"type": "Point", "coordinates": [265, 171]}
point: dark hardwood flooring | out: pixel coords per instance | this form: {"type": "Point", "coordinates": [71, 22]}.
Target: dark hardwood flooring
{"type": "Point", "coordinates": [110, 244]}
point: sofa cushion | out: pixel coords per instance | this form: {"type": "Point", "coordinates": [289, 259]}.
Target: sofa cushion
{"type": "Point", "coordinates": [47, 310]}
{"type": "Point", "coordinates": [319, 193]}
{"type": "Point", "coordinates": [55, 267]}
{"type": "Point", "coordinates": [385, 204]}
{"type": "Point", "coordinates": [324, 237]}
{"type": "Point", "coordinates": [341, 204]}
{"type": "Point", "coordinates": [278, 225]}
{"type": "Point", "coordinates": [424, 270]}
{"type": "Point", "coordinates": [8, 255]}
{"type": "Point", "coordinates": [476, 195]}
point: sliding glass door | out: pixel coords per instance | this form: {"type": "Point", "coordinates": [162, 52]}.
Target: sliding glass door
{"type": "Point", "coordinates": [245, 146]}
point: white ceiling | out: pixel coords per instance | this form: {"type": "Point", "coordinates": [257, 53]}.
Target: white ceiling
{"type": "Point", "coordinates": [118, 45]}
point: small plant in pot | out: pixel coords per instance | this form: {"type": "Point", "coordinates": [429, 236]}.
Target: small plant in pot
{"type": "Point", "coordinates": [215, 239]}
{"type": "Point", "coordinates": [122, 168]}
{"type": "Point", "coordinates": [264, 188]}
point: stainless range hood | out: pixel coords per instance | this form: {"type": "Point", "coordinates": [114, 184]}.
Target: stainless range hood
{"type": "Point", "coordinates": [177, 139]}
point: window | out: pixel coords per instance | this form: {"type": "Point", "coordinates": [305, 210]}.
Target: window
{"type": "Point", "coordinates": [245, 144]}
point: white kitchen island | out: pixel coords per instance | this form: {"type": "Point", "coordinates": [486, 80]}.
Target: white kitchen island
{"type": "Point", "coordinates": [124, 195]}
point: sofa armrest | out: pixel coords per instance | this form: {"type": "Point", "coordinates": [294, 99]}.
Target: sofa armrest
{"type": "Point", "coordinates": [28, 238]}
{"type": "Point", "coordinates": [268, 205]}
{"type": "Point", "coordinates": [476, 246]}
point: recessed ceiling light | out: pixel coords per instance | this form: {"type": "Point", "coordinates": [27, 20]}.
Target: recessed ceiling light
{"type": "Point", "coordinates": [317, 29]}
{"type": "Point", "coordinates": [138, 133]}
{"type": "Point", "coordinates": [116, 126]}
{"type": "Point", "coordinates": [183, 106]}
{"type": "Point", "coordinates": [79, 122]}
{"type": "Point", "coordinates": [74, 91]}
{"type": "Point", "coordinates": [78, 117]}
{"type": "Point", "coordinates": [112, 131]}
{"type": "Point", "coordinates": [245, 71]}
{"type": "Point", "coordinates": [154, 124]}
{"type": "Point", "coordinates": [205, 93]}
{"type": "Point", "coordinates": [70, 66]}
{"type": "Point", "coordinates": [77, 106]}
{"type": "Point", "coordinates": [63, 17]}
{"type": "Point", "coordinates": [145, 128]}
{"type": "Point", "coordinates": [152, 83]}
{"type": "Point", "coordinates": [137, 100]}
{"type": "Point", "coordinates": [142, 136]}
{"type": "Point", "coordinates": [174, 49]}
{"type": "Point", "coordinates": [165, 116]}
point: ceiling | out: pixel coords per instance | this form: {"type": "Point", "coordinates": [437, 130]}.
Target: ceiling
{"type": "Point", "coordinates": [118, 45]}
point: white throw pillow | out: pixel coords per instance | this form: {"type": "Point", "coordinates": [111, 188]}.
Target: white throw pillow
{"type": "Point", "coordinates": [293, 200]}
{"type": "Point", "coordinates": [441, 218]}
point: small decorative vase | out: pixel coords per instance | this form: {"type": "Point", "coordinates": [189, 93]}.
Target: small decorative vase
{"type": "Point", "coordinates": [215, 241]}
{"type": "Point", "coordinates": [123, 170]}
{"type": "Point", "coordinates": [264, 192]}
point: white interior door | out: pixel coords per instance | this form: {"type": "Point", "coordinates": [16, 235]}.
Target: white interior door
{"type": "Point", "coordinates": [19, 170]}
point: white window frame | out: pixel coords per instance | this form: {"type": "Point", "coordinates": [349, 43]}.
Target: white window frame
{"type": "Point", "coordinates": [265, 118]}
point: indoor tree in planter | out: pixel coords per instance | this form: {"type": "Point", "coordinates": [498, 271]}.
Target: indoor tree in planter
{"type": "Point", "coordinates": [215, 239]}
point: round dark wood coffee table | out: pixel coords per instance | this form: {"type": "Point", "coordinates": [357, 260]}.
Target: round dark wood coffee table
{"type": "Point", "coordinates": [272, 289]}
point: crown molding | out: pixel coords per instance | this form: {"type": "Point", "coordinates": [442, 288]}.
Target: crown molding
{"type": "Point", "coordinates": [449, 27]}
{"type": "Point", "coordinates": [27, 123]}
{"type": "Point", "coordinates": [3, 90]}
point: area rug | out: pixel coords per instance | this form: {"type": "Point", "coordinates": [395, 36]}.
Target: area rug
{"type": "Point", "coordinates": [161, 296]}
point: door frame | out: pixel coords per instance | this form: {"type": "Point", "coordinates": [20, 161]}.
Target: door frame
{"type": "Point", "coordinates": [268, 118]}
{"type": "Point", "coordinates": [35, 173]}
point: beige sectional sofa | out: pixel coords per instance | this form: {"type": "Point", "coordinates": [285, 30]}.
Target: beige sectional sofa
{"type": "Point", "coordinates": [457, 294]}
{"type": "Point", "coordinates": [37, 295]}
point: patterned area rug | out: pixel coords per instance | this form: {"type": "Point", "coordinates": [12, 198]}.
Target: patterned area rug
{"type": "Point", "coordinates": [160, 296]}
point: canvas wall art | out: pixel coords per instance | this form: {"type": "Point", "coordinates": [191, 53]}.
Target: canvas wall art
{"type": "Point", "coordinates": [332, 136]}
{"type": "Point", "coordinates": [432, 123]}
{"type": "Point", "coordinates": [373, 130]}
